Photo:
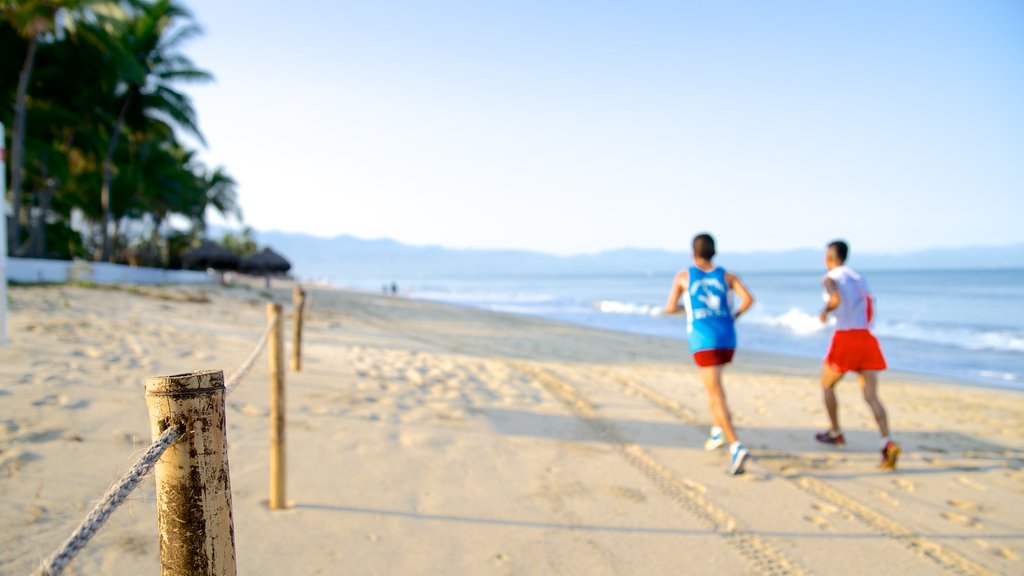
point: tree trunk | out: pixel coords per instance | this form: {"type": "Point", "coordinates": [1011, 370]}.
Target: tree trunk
{"type": "Point", "coordinates": [18, 142]}
{"type": "Point", "coordinates": [38, 231]}
{"type": "Point", "coordinates": [108, 178]}
{"type": "Point", "coordinates": [115, 240]}
{"type": "Point", "coordinates": [154, 240]}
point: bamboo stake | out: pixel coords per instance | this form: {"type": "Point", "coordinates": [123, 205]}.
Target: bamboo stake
{"type": "Point", "coordinates": [193, 487]}
{"type": "Point", "coordinates": [277, 447]}
{"type": "Point", "coordinates": [299, 305]}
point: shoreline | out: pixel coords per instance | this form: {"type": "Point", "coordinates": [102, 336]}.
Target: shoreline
{"type": "Point", "coordinates": [807, 365]}
{"type": "Point", "coordinates": [429, 438]}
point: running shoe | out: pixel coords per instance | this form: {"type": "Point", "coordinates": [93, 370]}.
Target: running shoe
{"type": "Point", "coordinates": [716, 440]}
{"type": "Point", "coordinates": [890, 453]}
{"type": "Point", "coordinates": [739, 460]}
{"type": "Point", "coordinates": [828, 438]}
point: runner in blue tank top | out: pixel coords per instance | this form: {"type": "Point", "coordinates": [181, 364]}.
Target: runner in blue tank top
{"type": "Point", "coordinates": [706, 291]}
{"type": "Point", "coordinates": [709, 320]}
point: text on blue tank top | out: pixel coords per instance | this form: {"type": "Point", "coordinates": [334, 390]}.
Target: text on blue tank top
{"type": "Point", "coordinates": [709, 318]}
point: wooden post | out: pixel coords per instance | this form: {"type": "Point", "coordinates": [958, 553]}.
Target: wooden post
{"type": "Point", "coordinates": [3, 242]}
{"type": "Point", "coordinates": [298, 305]}
{"type": "Point", "coordinates": [277, 460]}
{"type": "Point", "coordinates": [193, 487]}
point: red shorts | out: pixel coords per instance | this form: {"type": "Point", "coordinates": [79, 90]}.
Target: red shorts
{"type": "Point", "coordinates": [853, 351]}
{"type": "Point", "coordinates": [706, 358]}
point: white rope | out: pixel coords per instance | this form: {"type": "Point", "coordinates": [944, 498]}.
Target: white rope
{"type": "Point", "coordinates": [111, 500]}
{"type": "Point", "coordinates": [236, 378]}
{"type": "Point", "coordinates": [119, 491]}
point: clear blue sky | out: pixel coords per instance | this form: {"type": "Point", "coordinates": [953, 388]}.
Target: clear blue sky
{"type": "Point", "coordinates": [572, 127]}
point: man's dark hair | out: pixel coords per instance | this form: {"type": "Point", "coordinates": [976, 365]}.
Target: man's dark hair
{"type": "Point", "coordinates": [839, 249]}
{"type": "Point", "coordinates": [704, 246]}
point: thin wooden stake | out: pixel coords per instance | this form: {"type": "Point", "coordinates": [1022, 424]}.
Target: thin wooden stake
{"type": "Point", "coordinates": [193, 486]}
{"type": "Point", "coordinates": [277, 447]}
{"type": "Point", "coordinates": [298, 306]}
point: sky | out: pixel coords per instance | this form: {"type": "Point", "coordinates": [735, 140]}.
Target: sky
{"type": "Point", "coordinates": [575, 127]}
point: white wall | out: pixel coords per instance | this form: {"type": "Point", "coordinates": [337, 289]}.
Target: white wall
{"type": "Point", "coordinates": [36, 270]}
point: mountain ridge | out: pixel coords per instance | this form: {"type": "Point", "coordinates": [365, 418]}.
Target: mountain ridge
{"type": "Point", "coordinates": [345, 256]}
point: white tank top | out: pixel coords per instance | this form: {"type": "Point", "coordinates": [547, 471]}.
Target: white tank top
{"type": "Point", "coordinates": [854, 311]}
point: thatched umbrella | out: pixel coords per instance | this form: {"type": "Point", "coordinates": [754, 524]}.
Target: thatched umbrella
{"type": "Point", "coordinates": [266, 262]}
{"type": "Point", "coordinates": [211, 255]}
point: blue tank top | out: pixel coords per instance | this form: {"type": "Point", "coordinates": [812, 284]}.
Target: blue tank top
{"type": "Point", "coordinates": [709, 320]}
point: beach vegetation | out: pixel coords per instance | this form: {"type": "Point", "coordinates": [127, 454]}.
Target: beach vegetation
{"type": "Point", "coordinates": [103, 160]}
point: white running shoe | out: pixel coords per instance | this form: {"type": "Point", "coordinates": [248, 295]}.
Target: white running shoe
{"type": "Point", "coordinates": [739, 459]}
{"type": "Point", "coordinates": [716, 440]}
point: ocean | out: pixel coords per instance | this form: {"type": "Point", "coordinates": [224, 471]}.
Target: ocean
{"type": "Point", "coordinates": [966, 325]}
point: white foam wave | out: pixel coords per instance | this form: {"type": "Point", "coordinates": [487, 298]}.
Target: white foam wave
{"type": "Point", "coordinates": [801, 322]}
{"type": "Point", "coordinates": [795, 320]}
{"type": "Point", "coordinates": [481, 297]}
{"type": "Point", "coordinates": [998, 375]}
{"type": "Point", "coordinates": [614, 307]}
{"type": "Point", "coordinates": [967, 338]}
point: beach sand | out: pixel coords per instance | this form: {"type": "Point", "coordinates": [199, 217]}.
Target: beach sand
{"type": "Point", "coordinates": [425, 438]}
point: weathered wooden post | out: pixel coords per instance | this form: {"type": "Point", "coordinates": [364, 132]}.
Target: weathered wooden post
{"type": "Point", "coordinates": [298, 305]}
{"type": "Point", "coordinates": [3, 241]}
{"type": "Point", "coordinates": [277, 452]}
{"type": "Point", "coordinates": [193, 487]}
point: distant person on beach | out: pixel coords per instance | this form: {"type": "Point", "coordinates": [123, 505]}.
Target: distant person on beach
{"type": "Point", "coordinates": [853, 348]}
{"type": "Point", "coordinates": [706, 291]}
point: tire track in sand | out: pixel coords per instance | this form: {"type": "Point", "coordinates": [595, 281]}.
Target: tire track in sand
{"type": "Point", "coordinates": [915, 542]}
{"type": "Point", "coordinates": [764, 558]}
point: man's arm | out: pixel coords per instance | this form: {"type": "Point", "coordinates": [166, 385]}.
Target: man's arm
{"type": "Point", "coordinates": [737, 286]}
{"type": "Point", "coordinates": [833, 299]}
{"type": "Point", "coordinates": [678, 285]}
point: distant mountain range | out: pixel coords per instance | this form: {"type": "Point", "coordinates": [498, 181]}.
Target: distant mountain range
{"type": "Point", "coordinates": [346, 257]}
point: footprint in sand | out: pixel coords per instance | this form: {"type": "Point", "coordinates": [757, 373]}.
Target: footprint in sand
{"type": "Point", "coordinates": [887, 498]}
{"type": "Point", "coordinates": [821, 523]}
{"type": "Point", "coordinates": [968, 482]}
{"type": "Point", "coordinates": [250, 410]}
{"type": "Point", "coordinates": [1015, 475]}
{"type": "Point", "coordinates": [968, 506]}
{"type": "Point", "coordinates": [962, 519]}
{"type": "Point", "coordinates": [626, 493]}
{"type": "Point", "coordinates": [41, 436]}
{"type": "Point", "coordinates": [8, 429]}
{"type": "Point", "coordinates": [1005, 553]}
{"type": "Point", "coordinates": [905, 485]}
{"type": "Point", "coordinates": [11, 461]}
{"type": "Point", "coordinates": [826, 509]}
{"type": "Point", "coordinates": [48, 400]}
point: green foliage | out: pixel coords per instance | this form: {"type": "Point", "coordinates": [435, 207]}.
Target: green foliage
{"type": "Point", "coordinates": [242, 245]}
{"type": "Point", "coordinates": [104, 172]}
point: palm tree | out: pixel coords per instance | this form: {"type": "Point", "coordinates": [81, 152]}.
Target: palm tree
{"type": "Point", "coordinates": [218, 191]}
{"type": "Point", "coordinates": [35, 20]}
{"type": "Point", "coordinates": [146, 46]}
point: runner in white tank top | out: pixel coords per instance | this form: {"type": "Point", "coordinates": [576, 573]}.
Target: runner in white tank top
{"type": "Point", "coordinates": [855, 308]}
{"type": "Point", "coordinates": [853, 348]}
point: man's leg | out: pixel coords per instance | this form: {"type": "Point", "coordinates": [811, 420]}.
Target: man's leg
{"type": "Point", "coordinates": [829, 379]}
{"type": "Point", "coordinates": [712, 377]}
{"type": "Point", "coordinates": [869, 385]}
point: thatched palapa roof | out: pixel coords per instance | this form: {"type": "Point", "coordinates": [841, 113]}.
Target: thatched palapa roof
{"type": "Point", "coordinates": [266, 261]}
{"type": "Point", "coordinates": [210, 255]}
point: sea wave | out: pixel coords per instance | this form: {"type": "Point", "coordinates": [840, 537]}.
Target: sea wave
{"type": "Point", "coordinates": [967, 338]}
{"type": "Point", "coordinates": [483, 297]}
{"type": "Point", "coordinates": [999, 375]}
{"type": "Point", "coordinates": [795, 320]}
{"type": "Point", "coordinates": [1002, 340]}
{"type": "Point", "coordinates": [615, 307]}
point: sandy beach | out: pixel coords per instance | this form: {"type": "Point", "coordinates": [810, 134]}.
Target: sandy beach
{"type": "Point", "coordinates": [432, 439]}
